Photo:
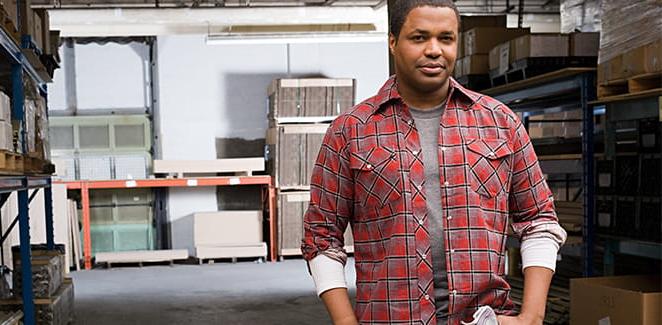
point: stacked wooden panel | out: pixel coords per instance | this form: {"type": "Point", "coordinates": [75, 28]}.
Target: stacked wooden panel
{"type": "Point", "coordinates": [222, 234]}
{"type": "Point", "coordinates": [300, 111]}
{"type": "Point", "coordinates": [54, 293]}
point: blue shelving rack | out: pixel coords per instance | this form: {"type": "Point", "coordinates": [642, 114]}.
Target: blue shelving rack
{"type": "Point", "coordinates": [14, 63]}
{"type": "Point", "coordinates": [570, 88]}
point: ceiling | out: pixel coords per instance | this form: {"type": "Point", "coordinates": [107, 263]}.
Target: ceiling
{"type": "Point", "coordinates": [465, 6]}
{"type": "Point", "coordinates": [200, 3]}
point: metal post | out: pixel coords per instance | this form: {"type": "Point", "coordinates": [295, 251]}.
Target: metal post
{"type": "Point", "coordinates": [272, 223]}
{"type": "Point", "coordinates": [587, 94]}
{"type": "Point", "coordinates": [87, 236]}
{"type": "Point", "coordinates": [26, 264]}
{"type": "Point", "coordinates": [48, 205]}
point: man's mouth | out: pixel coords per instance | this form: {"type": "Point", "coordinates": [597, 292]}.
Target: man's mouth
{"type": "Point", "coordinates": [432, 68]}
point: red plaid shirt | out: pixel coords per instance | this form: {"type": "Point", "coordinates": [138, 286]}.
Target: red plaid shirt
{"type": "Point", "coordinates": [369, 173]}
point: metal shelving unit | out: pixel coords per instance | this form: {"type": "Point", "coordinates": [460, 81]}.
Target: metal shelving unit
{"type": "Point", "coordinates": [86, 185]}
{"type": "Point", "coordinates": [14, 62]}
{"type": "Point", "coordinates": [22, 185]}
{"type": "Point", "coordinates": [562, 90]}
{"type": "Point", "coordinates": [630, 107]}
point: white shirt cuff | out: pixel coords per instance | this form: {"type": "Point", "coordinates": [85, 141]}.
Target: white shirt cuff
{"type": "Point", "coordinates": [539, 252]}
{"type": "Point", "coordinates": [327, 273]}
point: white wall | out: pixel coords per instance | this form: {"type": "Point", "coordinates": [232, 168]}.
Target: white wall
{"type": "Point", "coordinates": [211, 91]}
{"type": "Point", "coordinates": [108, 76]}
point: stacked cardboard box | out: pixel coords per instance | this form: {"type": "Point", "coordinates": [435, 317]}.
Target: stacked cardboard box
{"type": "Point", "coordinates": [627, 49]}
{"type": "Point", "coordinates": [479, 34]}
{"type": "Point", "coordinates": [6, 129]}
{"type": "Point", "coordinates": [300, 111]}
{"type": "Point", "coordinates": [290, 229]}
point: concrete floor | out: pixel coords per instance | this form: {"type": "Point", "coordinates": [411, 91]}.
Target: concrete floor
{"type": "Point", "coordinates": [222, 293]}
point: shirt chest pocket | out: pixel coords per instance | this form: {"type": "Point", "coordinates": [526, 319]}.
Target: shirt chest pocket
{"type": "Point", "coordinates": [377, 178]}
{"type": "Point", "coordinates": [489, 163]}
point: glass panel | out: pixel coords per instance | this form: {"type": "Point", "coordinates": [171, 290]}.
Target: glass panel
{"type": "Point", "coordinates": [130, 136]}
{"type": "Point", "coordinates": [62, 137]}
{"type": "Point", "coordinates": [94, 137]}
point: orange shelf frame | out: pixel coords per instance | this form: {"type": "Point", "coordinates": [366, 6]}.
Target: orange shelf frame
{"type": "Point", "coordinates": [86, 186]}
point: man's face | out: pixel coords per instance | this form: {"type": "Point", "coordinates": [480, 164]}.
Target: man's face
{"type": "Point", "coordinates": [426, 49]}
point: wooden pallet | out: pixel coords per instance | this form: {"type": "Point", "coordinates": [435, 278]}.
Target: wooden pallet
{"type": "Point", "coordinates": [141, 258]}
{"type": "Point", "coordinates": [11, 163]}
{"type": "Point", "coordinates": [531, 67]}
{"type": "Point", "coordinates": [631, 86]}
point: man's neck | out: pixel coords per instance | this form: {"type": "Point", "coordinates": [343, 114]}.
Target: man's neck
{"type": "Point", "coordinates": [422, 100]}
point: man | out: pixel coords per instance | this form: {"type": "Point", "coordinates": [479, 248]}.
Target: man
{"type": "Point", "coordinates": [427, 173]}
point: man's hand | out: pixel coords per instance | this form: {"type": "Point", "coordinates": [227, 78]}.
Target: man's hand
{"type": "Point", "coordinates": [520, 319]}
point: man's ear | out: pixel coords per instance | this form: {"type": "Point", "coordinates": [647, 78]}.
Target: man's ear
{"type": "Point", "coordinates": [392, 42]}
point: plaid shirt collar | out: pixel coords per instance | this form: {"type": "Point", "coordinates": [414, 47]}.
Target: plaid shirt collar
{"type": "Point", "coordinates": [389, 92]}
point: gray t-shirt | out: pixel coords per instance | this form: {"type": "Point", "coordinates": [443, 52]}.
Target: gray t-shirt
{"type": "Point", "coordinates": [427, 123]}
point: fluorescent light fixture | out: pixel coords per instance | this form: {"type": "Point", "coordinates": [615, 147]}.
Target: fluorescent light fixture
{"type": "Point", "coordinates": [296, 38]}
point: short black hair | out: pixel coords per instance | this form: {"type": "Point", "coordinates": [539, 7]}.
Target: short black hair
{"type": "Point", "coordinates": [401, 8]}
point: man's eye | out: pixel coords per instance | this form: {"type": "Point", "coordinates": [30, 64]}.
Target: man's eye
{"type": "Point", "coordinates": [418, 38]}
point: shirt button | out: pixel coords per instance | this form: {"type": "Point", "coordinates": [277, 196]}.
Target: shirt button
{"type": "Point", "coordinates": [415, 152]}
{"type": "Point", "coordinates": [369, 166]}
{"type": "Point", "coordinates": [452, 251]}
{"type": "Point", "coordinates": [449, 217]}
{"type": "Point", "coordinates": [427, 297]}
{"type": "Point", "coordinates": [424, 256]}
{"type": "Point", "coordinates": [443, 148]}
{"type": "Point", "coordinates": [454, 292]}
{"type": "Point", "coordinates": [421, 222]}
{"type": "Point", "coordinates": [410, 122]}
{"type": "Point", "coordinates": [446, 183]}
{"type": "Point", "coordinates": [491, 155]}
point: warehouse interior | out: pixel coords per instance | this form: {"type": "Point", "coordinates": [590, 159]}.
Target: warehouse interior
{"type": "Point", "coordinates": [156, 155]}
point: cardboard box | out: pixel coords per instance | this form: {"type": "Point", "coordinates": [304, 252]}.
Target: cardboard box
{"type": "Point", "coordinates": [618, 300]}
{"type": "Point", "coordinates": [37, 31]}
{"type": "Point", "coordinates": [476, 64]}
{"type": "Point", "coordinates": [611, 70]}
{"type": "Point", "coordinates": [292, 152]}
{"type": "Point", "coordinates": [541, 45]}
{"type": "Point", "coordinates": [291, 209]}
{"type": "Point", "coordinates": [481, 40]}
{"type": "Point", "coordinates": [644, 59]}
{"type": "Point", "coordinates": [584, 44]}
{"type": "Point", "coordinates": [314, 97]}
{"type": "Point", "coordinates": [12, 12]}
{"type": "Point", "coordinates": [45, 30]}
{"type": "Point", "coordinates": [459, 68]}
{"type": "Point", "coordinates": [469, 22]}
{"type": "Point", "coordinates": [24, 10]}
{"type": "Point", "coordinates": [501, 57]}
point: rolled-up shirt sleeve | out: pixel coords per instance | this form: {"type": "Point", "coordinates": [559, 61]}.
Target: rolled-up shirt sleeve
{"type": "Point", "coordinates": [331, 199]}
{"type": "Point", "coordinates": [531, 201]}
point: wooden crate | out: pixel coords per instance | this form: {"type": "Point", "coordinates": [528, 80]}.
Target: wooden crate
{"type": "Point", "coordinates": [292, 152]}
{"type": "Point", "coordinates": [291, 209]}
{"type": "Point", "coordinates": [290, 100]}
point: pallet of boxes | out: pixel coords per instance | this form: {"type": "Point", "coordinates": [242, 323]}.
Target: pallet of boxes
{"type": "Point", "coordinates": [630, 59]}
{"type": "Point", "coordinates": [53, 291]}
{"type": "Point", "coordinates": [300, 112]}
{"type": "Point", "coordinates": [479, 34]}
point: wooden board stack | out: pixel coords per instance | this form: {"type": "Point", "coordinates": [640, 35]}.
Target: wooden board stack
{"type": "Point", "coordinates": [300, 111]}
{"type": "Point", "coordinates": [54, 293]}
{"type": "Point", "coordinates": [220, 235]}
